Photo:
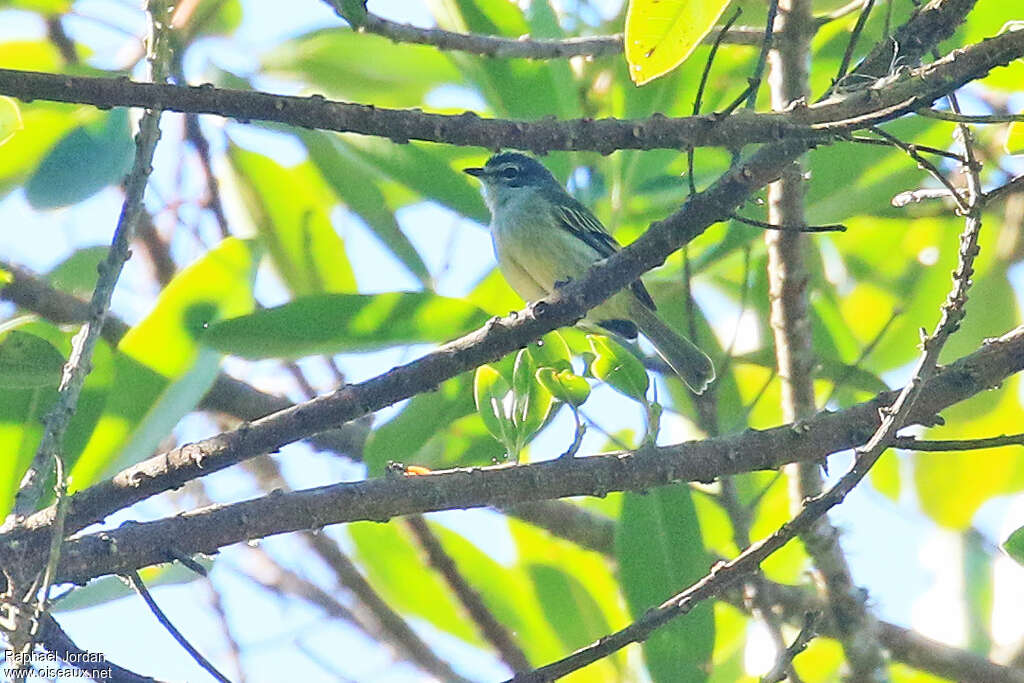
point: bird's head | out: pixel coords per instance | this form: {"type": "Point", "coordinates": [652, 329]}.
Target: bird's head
{"type": "Point", "coordinates": [511, 174]}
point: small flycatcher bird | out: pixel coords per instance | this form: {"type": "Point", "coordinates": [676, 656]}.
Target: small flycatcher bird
{"type": "Point", "coordinates": [543, 236]}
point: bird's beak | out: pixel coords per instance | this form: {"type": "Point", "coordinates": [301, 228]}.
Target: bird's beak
{"type": "Point", "coordinates": [475, 172]}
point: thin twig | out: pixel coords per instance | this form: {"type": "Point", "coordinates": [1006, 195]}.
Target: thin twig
{"type": "Point", "coordinates": [136, 582]}
{"type": "Point", "coordinates": [833, 227]}
{"type": "Point", "coordinates": [911, 443]}
{"type": "Point", "coordinates": [851, 45]}
{"type": "Point", "coordinates": [968, 118]}
{"type": "Point", "coordinates": [925, 164]}
{"type": "Point", "coordinates": [79, 363]}
{"type": "Point", "coordinates": [762, 58]}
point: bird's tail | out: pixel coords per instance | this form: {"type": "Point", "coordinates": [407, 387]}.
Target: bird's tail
{"type": "Point", "coordinates": [689, 362]}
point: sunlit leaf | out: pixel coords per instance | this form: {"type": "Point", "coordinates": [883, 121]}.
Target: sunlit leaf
{"type": "Point", "coordinates": [348, 178]}
{"type": "Point", "coordinates": [1015, 138]}
{"type": "Point", "coordinates": [10, 119]}
{"type": "Point", "coordinates": [1014, 545]}
{"type": "Point", "coordinates": [334, 323]}
{"type": "Point", "coordinates": [489, 392]}
{"type": "Point", "coordinates": [290, 208]}
{"type": "Point", "coordinates": [334, 62]}
{"type": "Point", "coordinates": [619, 368]}
{"type": "Point", "coordinates": [551, 351]}
{"type": "Point", "coordinates": [660, 34]}
{"type": "Point", "coordinates": [531, 399]}
{"type": "Point", "coordinates": [161, 370]}
{"type": "Point", "coordinates": [565, 386]}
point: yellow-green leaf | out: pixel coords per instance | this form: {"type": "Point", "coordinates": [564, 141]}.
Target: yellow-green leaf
{"type": "Point", "coordinates": [660, 34]}
{"type": "Point", "coordinates": [10, 119]}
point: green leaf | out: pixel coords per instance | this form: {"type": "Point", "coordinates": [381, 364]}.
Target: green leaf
{"type": "Point", "coordinates": [10, 119]}
{"type": "Point", "coordinates": [290, 209]}
{"type": "Point", "coordinates": [336, 323]}
{"type": "Point", "coordinates": [161, 371]}
{"type": "Point", "coordinates": [212, 18]}
{"type": "Point", "coordinates": [660, 553]}
{"type": "Point", "coordinates": [570, 609]}
{"type": "Point", "coordinates": [660, 34]}
{"type": "Point", "coordinates": [77, 273]}
{"type": "Point", "coordinates": [21, 410]}
{"type": "Point", "coordinates": [1014, 545]}
{"type": "Point", "coordinates": [565, 386]}
{"type": "Point", "coordinates": [44, 124]}
{"type": "Point", "coordinates": [489, 391]}
{"type": "Point", "coordinates": [349, 179]}
{"type": "Point", "coordinates": [334, 61]}
{"type": "Point", "coordinates": [551, 351]}
{"type": "Point", "coordinates": [531, 401]}
{"type": "Point", "coordinates": [1015, 138]}
{"type": "Point", "coordinates": [425, 415]}
{"type": "Point", "coordinates": [28, 361]}
{"type": "Point", "coordinates": [619, 368]}
{"type": "Point", "coordinates": [425, 170]}
{"type": "Point", "coordinates": [83, 162]}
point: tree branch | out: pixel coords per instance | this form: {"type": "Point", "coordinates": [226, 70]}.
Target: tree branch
{"type": "Point", "coordinates": [205, 531]}
{"type": "Point", "coordinates": [872, 105]}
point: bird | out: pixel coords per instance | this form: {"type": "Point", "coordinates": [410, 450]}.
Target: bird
{"type": "Point", "coordinates": [543, 237]}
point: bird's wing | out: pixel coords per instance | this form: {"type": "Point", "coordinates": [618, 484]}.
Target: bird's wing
{"type": "Point", "coordinates": [578, 220]}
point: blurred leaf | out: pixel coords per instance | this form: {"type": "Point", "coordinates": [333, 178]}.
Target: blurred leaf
{"type": "Point", "coordinates": [568, 606]}
{"type": "Point", "coordinates": [951, 486]}
{"type": "Point", "coordinates": [209, 18]}
{"type": "Point", "coordinates": [660, 34]}
{"type": "Point", "coordinates": [336, 323]}
{"type": "Point", "coordinates": [22, 410]}
{"type": "Point", "coordinates": [335, 63]}
{"type": "Point", "coordinates": [83, 162]}
{"type": "Point", "coordinates": [43, 125]}
{"type": "Point", "coordinates": [1015, 138]}
{"type": "Point", "coordinates": [423, 416]}
{"type": "Point", "coordinates": [619, 368]}
{"type": "Point", "coordinates": [31, 55]}
{"type": "Point", "coordinates": [1014, 545]}
{"type": "Point", "coordinates": [394, 567]}
{"type": "Point", "coordinates": [109, 588]}
{"type": "Point", "coordinates": [520, 89]}
{"type": "Point", "coordinates": [161, 371]}
{"type": "Point", "coordinates": [508, 593]}
{"type": "Point", "coordinates": [426, 170]}
{"type": "Point", "coordinates": [41, 6]}
{"type": "Point", "coordinates": [27, 361]}
{"type": "Point", "coordinates": [363, 197]}
{"type": "Point", "coordinates": [660, 553]}
{"type": "Point", "coordinates": [77, 273]}
{"type": "Point", "coordinates": [10, 119]}
{"type": "Point", "coordinates": [290, 208]}
{"type": "Point", "coordinates": [885, 476]}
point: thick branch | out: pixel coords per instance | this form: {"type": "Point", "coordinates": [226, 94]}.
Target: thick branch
{"type": "Point", "coordinates": [205, 531]}
{"type": "Point", "coordinates": [883, 101]}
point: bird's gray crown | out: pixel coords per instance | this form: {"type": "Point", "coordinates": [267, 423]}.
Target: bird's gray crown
{"type": "Point", "coordinates": [513, 169]}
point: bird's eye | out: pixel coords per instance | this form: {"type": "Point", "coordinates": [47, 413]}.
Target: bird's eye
{"type": "Point", "coordinates": [509, 172]}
